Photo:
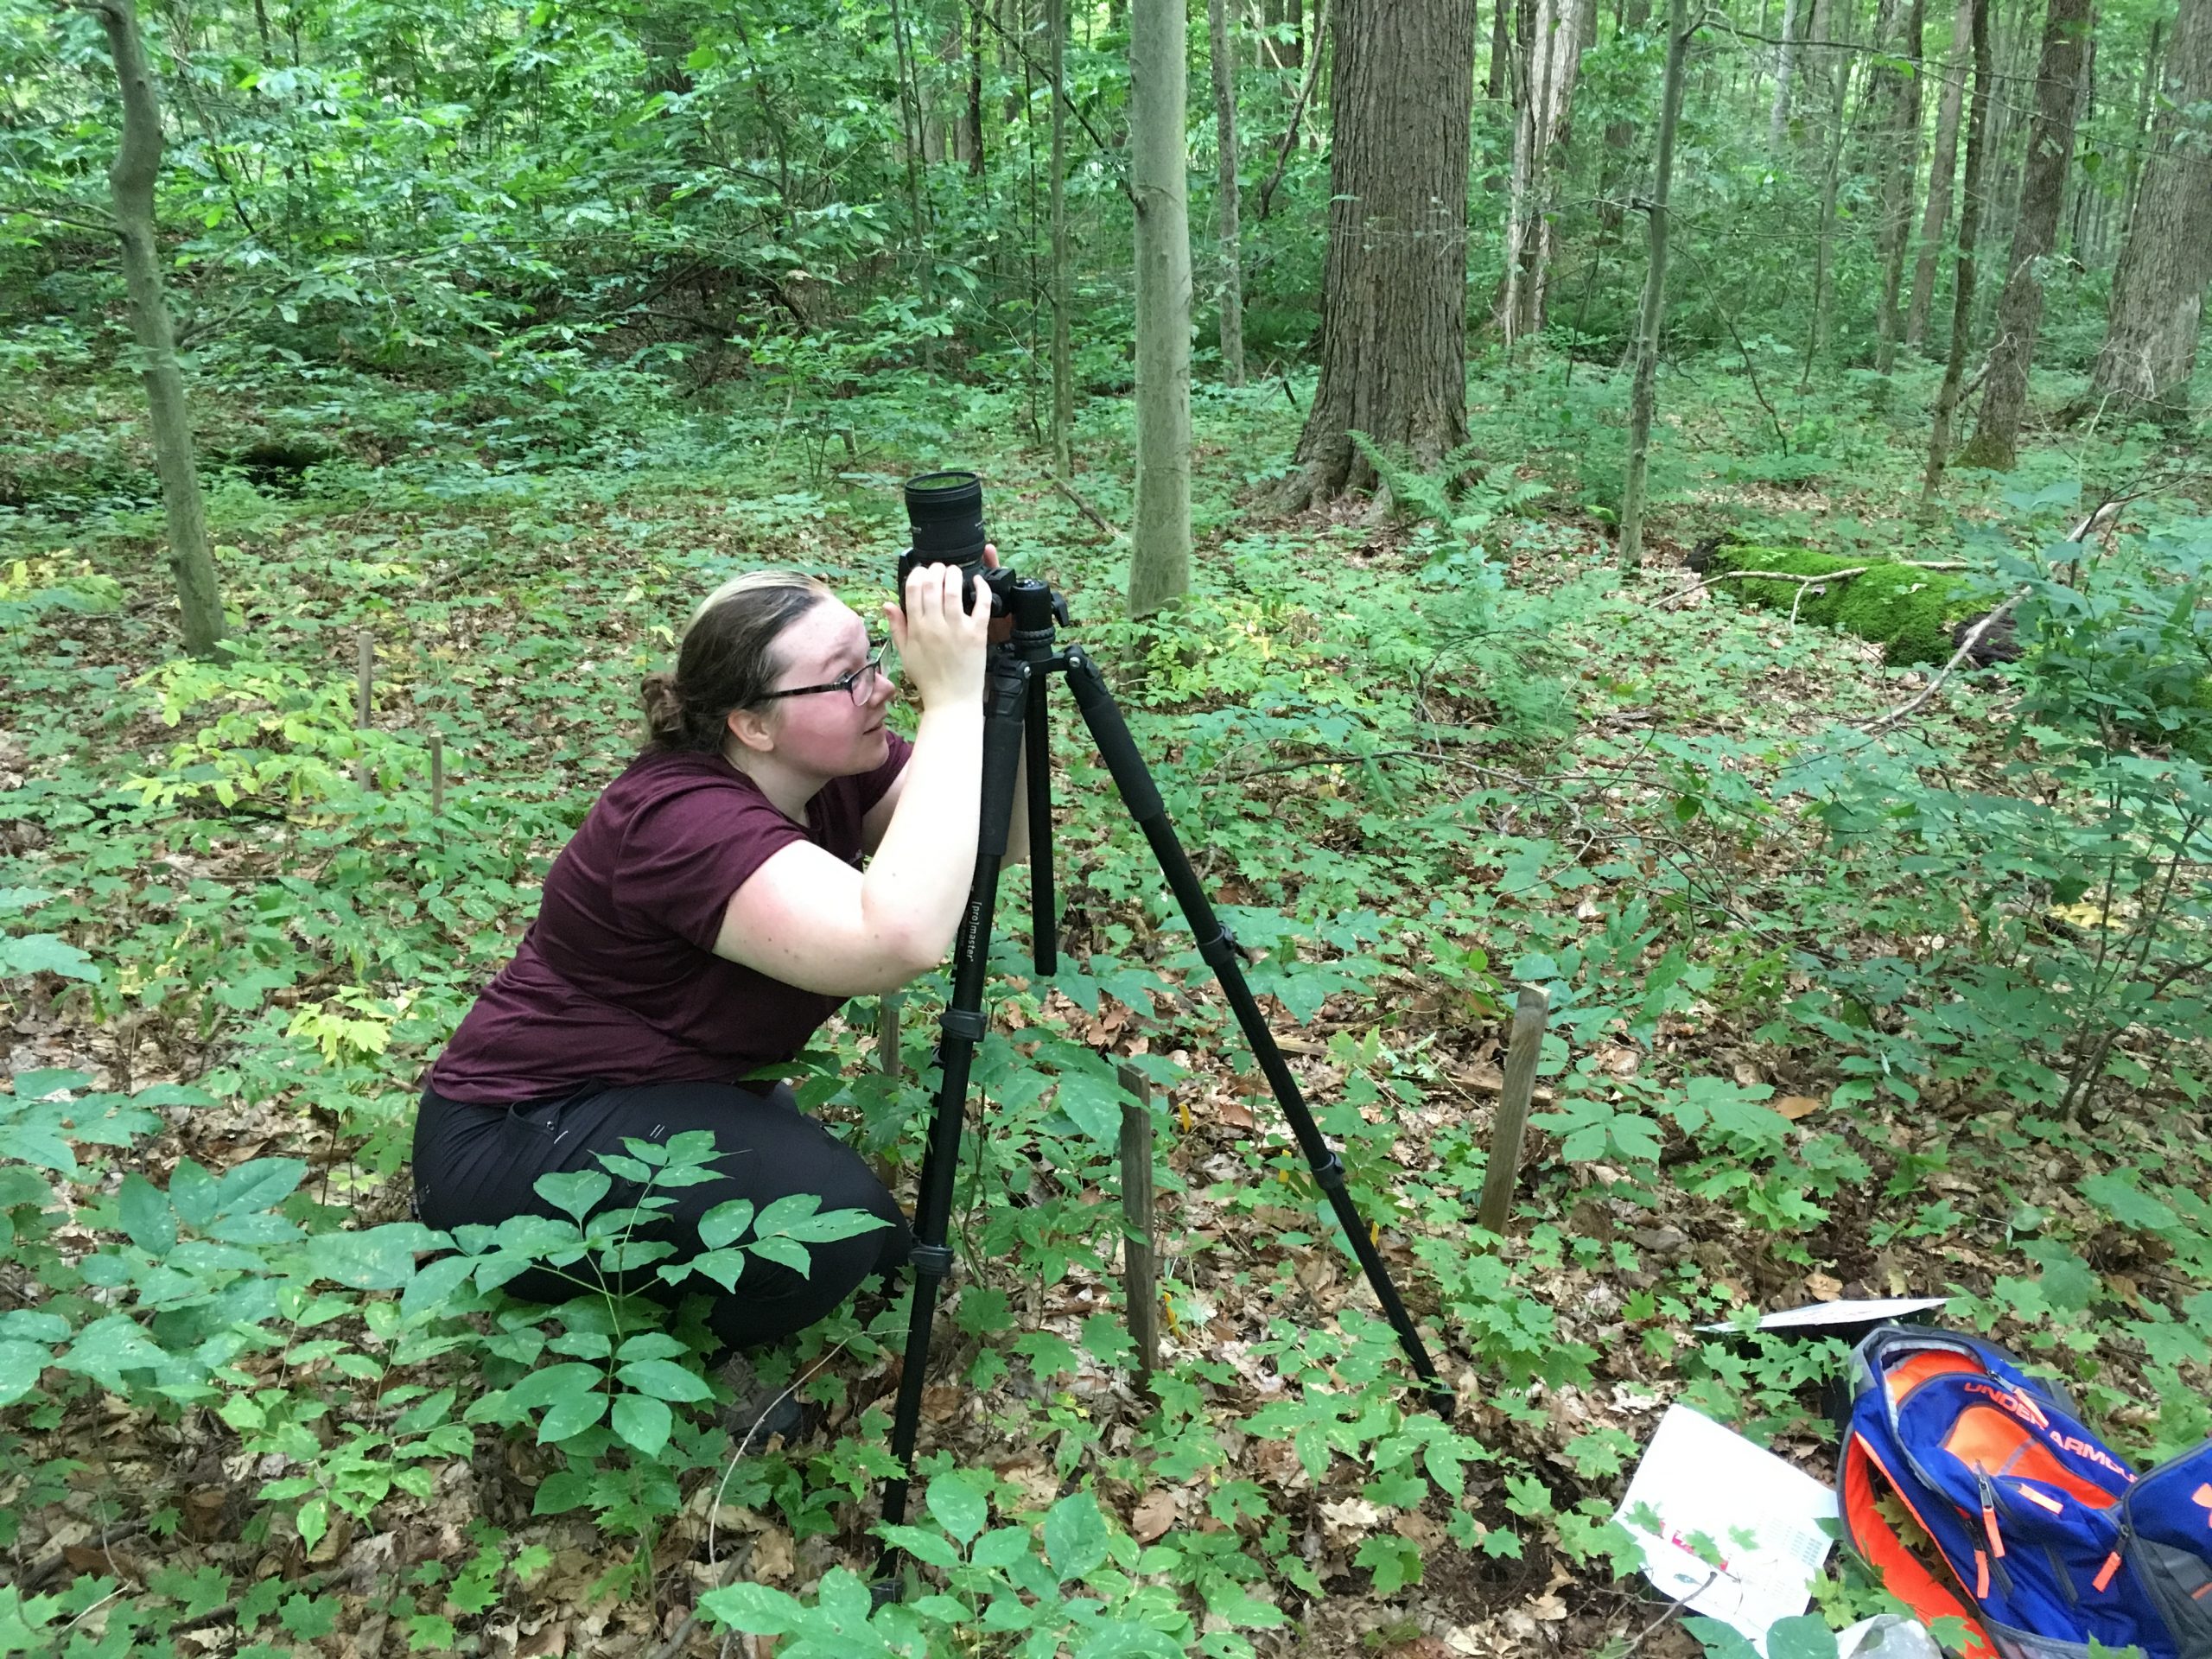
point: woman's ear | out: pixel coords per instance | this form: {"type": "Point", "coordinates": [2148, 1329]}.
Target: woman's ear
{"type": "Point", "coordinates": [752, 729]}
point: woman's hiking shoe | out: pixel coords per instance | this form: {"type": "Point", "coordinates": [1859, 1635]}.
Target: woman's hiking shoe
{"type": "Point", "coordinates": [758, 1411]}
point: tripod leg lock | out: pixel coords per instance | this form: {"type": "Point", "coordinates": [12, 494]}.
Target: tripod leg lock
{"type": "Point", "coordinates": [1330, 1175]}
{"type": "Point", "coordinates": [966, 1023]}
{"type": "Point", "coordinates": [930, 1261]}
{"type": "Point", "coordinates": [1221, 951]}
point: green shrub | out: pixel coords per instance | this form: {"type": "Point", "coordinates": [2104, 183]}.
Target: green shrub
{"type": "Point", "coordinates": [1908, 610]}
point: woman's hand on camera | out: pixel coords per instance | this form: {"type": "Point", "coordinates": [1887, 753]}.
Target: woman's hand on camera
{"type": "Point", "coordinates": [941, 646]}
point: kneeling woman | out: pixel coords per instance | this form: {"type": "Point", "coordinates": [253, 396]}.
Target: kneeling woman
{"type": "Point", "coordinates": [712, 910]}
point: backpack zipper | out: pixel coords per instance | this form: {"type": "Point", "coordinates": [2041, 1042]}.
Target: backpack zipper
{"type": "Point", "coordinates": [2065, 1579]}
{"type": "Point", "coordinates": [1988, 1491]}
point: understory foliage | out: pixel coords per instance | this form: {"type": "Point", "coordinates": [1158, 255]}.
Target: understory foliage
{"type": "Point", "coordinates": [1836, 1005]}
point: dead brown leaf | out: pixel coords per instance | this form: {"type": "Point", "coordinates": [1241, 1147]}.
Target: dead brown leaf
{"type": "Point", "coordinates": [772, 1555]}
{"type": "Point", "coordinates": [1793, 1107]}
{"type": "Point", "coordinates": [1154, 1515]}
{"type": "Point", "coordinates": [1821, 1288]}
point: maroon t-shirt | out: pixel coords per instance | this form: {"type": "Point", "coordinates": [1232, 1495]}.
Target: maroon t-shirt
{"type": "Point", "coordinates": [617, 981]}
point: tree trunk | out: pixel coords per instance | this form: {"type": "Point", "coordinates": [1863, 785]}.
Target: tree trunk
{"type": "Point", "coordinates": [2012, 48]}
{"type": "Point", "coordinates": [1839, 66]}
{"type": "Point", "coordinates": [1056, 29]}
{"type": "Point", "coordinates": [1785, 64]}
{"type": "Point", "coordinates": [1942, 171]}
{"type": "Point", "coordinates": [1501, 50]}
{"type": "Point", "coordinates": [2081, 185]}
{"type": "Point", "coordinates": [1394, 273]}
{"type": "Point", "coordinates": [1224, 126]}
{"type": "Point", "coordinates": [1900, 167]}
{"type": "Point", "coordinates": [2135, 151]}
{"type": "Point", "coordinates": [1955, 362]}
{"type": "Point", "coordinates": [2042, 193]}
{"type": "Point", "coordinates": [972, 137]}
{"type": "Point", "coordinates": [1653, 320]}
{"type": "Point", "coordinates": [130, 184]}
{"type": "Point", "coordinates": [1539, 138]}
{"type": "Point", "coordinates": [1159, 558]}
{"type": "Point", "coordinates": [2157, 292]}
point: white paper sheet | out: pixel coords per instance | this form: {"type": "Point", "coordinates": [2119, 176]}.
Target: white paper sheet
{"type": "Point", "coordinates": [1865, 1312]}
{"type": "Point", "coordinates": [1760, 1513]}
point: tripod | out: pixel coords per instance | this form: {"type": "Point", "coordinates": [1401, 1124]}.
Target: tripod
{"type": "Point", "coordinates": [1014, 720]}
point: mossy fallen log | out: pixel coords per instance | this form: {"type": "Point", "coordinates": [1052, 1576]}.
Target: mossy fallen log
{"type": "Point", "coordinates": [1908, 610]}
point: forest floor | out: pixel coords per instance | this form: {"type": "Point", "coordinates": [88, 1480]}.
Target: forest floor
{"type": "Point", "coordinates": [1441, 770]}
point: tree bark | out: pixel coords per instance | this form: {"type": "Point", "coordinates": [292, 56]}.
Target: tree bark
{"type": "Point", "coordinates": [2042, 193]}
{"type": "Point", "coordinates": [1501, 50]}
{"type": "Point", "coordinates": [1159, 558]}
{"type": "Point", "coordinates": [130, 184]}
{"type": "Point", "coordinates": [1224, 127]}
{"type": "Point", "coordinates": [1839, 64]}
{"type": "Point", "coordinates": [1393, 310]}
{"type": "Point", "coordinates": [2135, 151]}
{"type": "Point", "coordinates": [972, 138]}
{"type": "Point", "coordinates": [2081, 185]}
{"type": "Point", "coordinates": [2157, 291]}
{"type": "Point", "coordinates": [1942, 172]}
{"type": "Point", "coordinates": [1541, 135]}
{"type": "Point", "coordinates": [1056, 28]}
{"type": "Point", "coordinates": [1900, 167]}
{"type": "Point", "coordinates": [1947, 397]}
{"type": "Point", "coordinates": [1653, 320]}
{"type": "Point", "coordinates": [1785, 64]}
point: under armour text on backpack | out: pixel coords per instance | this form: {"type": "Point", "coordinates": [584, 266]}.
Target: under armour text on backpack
{"type": "Point", "coordinates": [2054, 1539]}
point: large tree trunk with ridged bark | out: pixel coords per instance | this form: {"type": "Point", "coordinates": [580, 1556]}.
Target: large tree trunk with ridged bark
{"type": "Point", "coordinates": [2034, 233]}
{"type": "Point", "coordinates": [1394, 308]}
{"type": "Point", "coordinates": [130, 183]}
{"type": "Point", "coordinates": [2157, 292]}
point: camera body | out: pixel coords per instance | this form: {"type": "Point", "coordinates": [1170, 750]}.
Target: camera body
{"type": "Point", "coordinates": [945, 512]}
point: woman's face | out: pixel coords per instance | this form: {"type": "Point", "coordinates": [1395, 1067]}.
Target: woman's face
{"type": "Point", "coordinates": [830, 734]}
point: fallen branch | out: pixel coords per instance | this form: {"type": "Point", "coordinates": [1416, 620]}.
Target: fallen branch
{"type": "Point", "coordinates": [1089, 511]}
{"type": "Point", "coordinates": [2098, 519]}
{"type": "Point", "coordinates": [1966, 650]}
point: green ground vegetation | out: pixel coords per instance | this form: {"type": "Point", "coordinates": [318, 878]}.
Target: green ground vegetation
{"type": "Point", "coordinates": [1910, 1008]}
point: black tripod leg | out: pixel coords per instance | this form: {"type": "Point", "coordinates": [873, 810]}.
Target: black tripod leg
{"type": "Point", "coordinates": [1005, 703]}
{"type": "Point", "coordinates": [1133, 779]}
{"type": "Point", "coordinates": [1044, 902]}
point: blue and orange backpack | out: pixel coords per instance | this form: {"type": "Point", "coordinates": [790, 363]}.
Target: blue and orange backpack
{"type": "Point", "coordinates": [2053, 1538]}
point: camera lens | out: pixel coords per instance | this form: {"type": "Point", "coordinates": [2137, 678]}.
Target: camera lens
{"type": "Point", "coordinates": [946, 513]}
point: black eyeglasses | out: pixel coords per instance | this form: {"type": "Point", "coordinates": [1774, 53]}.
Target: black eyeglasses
{"type": "Point", "coordinates": [860, 684]}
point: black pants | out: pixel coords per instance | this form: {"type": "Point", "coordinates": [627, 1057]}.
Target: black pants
{"type": "Point", "coordinates": [479, 1164]}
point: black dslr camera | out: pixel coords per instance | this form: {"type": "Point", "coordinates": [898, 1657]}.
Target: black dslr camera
{"type": "Point", "coordinates": [946, 511]}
